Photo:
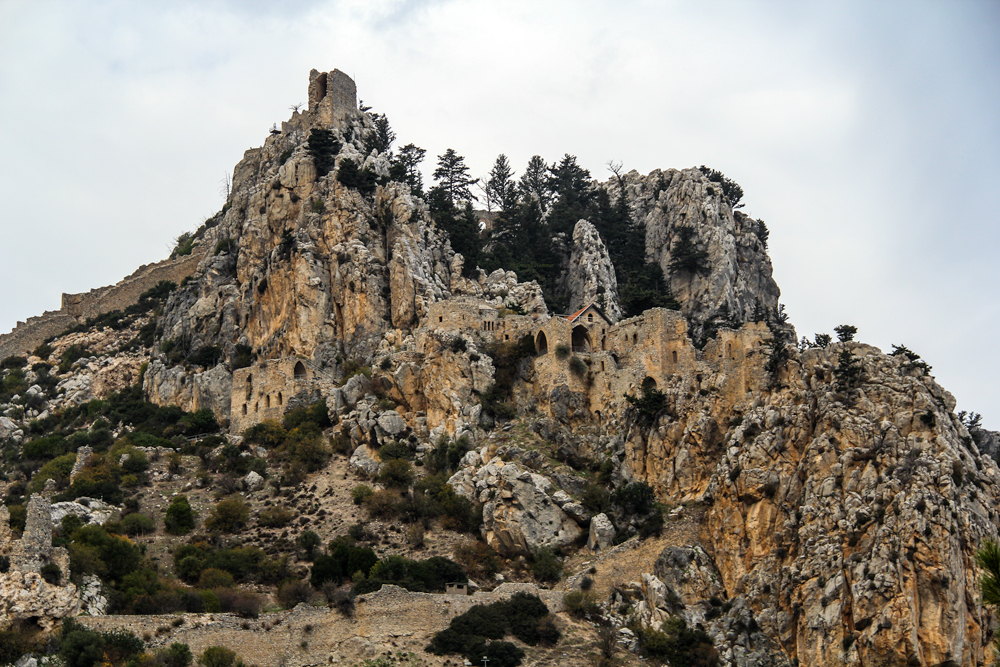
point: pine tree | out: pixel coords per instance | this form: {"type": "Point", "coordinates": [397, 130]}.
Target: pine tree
{"type": "Point", "coordinates": [452, 176]}
{"type": "Point", "coordinates": [687, 256]}
{"type": "Point", "coordinates": [462, 226]}
{"type": "Point", "coordinates": [574, 194]}
{"type": "Point", "coordinates": [381, 136]}
{"type": "Point", "coordinates": [501, 188]}
{"type": "Point", "coordinates": [403, 168]}
{"type": "Point", "coordinates": [534, 183]}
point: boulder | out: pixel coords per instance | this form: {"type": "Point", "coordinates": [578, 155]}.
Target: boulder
{"type": "Point", "coordinates": [362, 461]}
{"type": "Point", "coordinates": [521, 517]}
{"type": "Point", "coordinates": [253, 482]}
{"type": "Point", "coordinates": [391, 423]}
{"type": "Point", "coordinates": [602, 533]}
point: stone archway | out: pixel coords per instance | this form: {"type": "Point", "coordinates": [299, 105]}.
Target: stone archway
{"type": "Point", "coordinates": [581, 339]}
{"type": "Point", "coordinates": [541, 343]}
{"type": "Point", "coordinates": [300, 371]}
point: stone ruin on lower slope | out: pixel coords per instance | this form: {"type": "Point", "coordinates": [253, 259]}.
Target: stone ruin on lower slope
{"type": "Point", "coordinates": [25, 594]}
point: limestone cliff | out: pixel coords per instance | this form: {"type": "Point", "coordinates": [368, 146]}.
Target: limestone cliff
{"type": "Point", "coordinates": [307, 266]}
{"type": "Point", "coordinates": [591, 275]}
{"type": "Point", "coordinates": [735, 285]}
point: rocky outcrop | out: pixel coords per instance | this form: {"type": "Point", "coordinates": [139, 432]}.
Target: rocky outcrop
{"type": "Point", "coordinates": [520, 514]}
{"type": "Point", "coordinates": [190, 391]}
{"type": "Point", "coordinates": [602, 533]}
{"type": "Point", "coordinates": [736, 285]}
{"type": "Point", "coordinates": [590, 277]}
{"type": "Point", "coordinates": [846, 516]}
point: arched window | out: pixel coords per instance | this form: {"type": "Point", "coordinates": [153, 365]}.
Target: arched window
{"type": "Point", "coordinates": [300, 371]}
{"type": "Point", "coordinates": [280, 401]}
{"type": "Point", "coordinates": [541, 343]}
{"type": "Point", "coordinates": [675, 356]}
{"type": "Point", "coordinates": [244, 408]}
{"type": "Point", "coordinates": [249, 386]}
{"type": "Point", "coordinates": [590, 317]}
{"type": "Point", "coordinates": [267, 401]}
{"type": "Point", "coordinates": [635, 338]}
{"type": "Point", "coordinates": [581, 339]}
{"type": "Point", "coordinates": [648, 384]}
{"type": "Point", "coordinates": [256, 407]}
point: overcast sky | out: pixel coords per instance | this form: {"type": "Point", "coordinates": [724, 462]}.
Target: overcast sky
{"type": "Point", "coordinates": [865, 134]}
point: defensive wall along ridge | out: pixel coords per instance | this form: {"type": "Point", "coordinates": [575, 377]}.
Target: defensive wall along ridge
{"type": "Point", "coordinates": [391, 618]}
{"type": "Point", "coordinates": [76, 308]}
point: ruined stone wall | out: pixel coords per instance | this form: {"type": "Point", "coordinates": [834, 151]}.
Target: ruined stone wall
{"type": "Point", "coordinates": [391, 618]}
{"type": "Point", "coordinates": [653, 346]}
{"type": "Point", "coordinates": [28, 335]}
{"type": "Point", "coordinates": [263, 391]}
{"type": "Point", "coordinates": [469, 314]}
{"type": "Point", "coordinates": [126, 292]}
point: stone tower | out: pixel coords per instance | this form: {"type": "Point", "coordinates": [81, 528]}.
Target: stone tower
{"type": "Point", "coordinates": [332, 96]}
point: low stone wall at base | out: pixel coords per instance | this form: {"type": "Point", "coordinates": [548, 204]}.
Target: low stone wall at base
{"type": "Point", "coordinates": [391, 619]}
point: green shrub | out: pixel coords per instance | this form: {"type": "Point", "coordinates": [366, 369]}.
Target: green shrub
{"type": "Point", "coordinates": [523, 615]}
{"type": "Point", "coordinates": [14, 361]}
{"type": "Point", "coordinates": [677, 644]}
{"type": "Point", "coordinates": [577, 367]}
{"type": "Point", "coordinates": [635, 497]}
{"type": "Point", "coordinates": [176, 655]}
{"type": "Point", "coordinates": [15, 642]}
{"type": "Point", "coordinates": [275, 517]}
{"type": "Point", "coordinates": [229, 515]}
{"type": "Point", "coordinates": [217, 656]}
{"type": "Point", "coordinates": [360, 493]}
{"type": "Point", "coordinates": [138, 524]}
{"type": "Point", "coordinates": [180, 517]}
{"type": "Point", "coordinates": [582, 604]}
{"type": "Point", "coordinates": [650, 404]}
{"type": "Point", "coordinates": [308, 542]}
{"type": "Point", "coordinates": [214, 578]}
{"type": "Point", "coordinates": [293, 592]}
{"type": "Point", "coordinates": [396, 473]}
{"type": "Point", "coordinates": [562, 351]}
{"type": "Point", "coordinates": [51, 573]}
{"type": "Point", "coordinates": [394, 450]}
{"type": "Point", "coordinates": [545, 565]}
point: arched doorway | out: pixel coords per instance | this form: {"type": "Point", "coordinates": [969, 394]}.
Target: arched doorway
{"type": "Point", "coordinates": [541, 343]}
{"type": "Point", "coordinates": [300, 371]}
{"type": "Point", "coordinates": [648, 384]}
{"type": "Point", "coordinates": [581, 339]}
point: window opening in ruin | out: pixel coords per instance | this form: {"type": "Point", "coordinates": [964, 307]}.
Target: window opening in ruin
{"type": "Point", "coordinates": [249, 386]}
{"type": "Point", "coordinates": [729, 350]}
{"type": "Point", "coordinates": [256, 407]}
{"type": "Point", "coordinates": [635, 338]}
{"type": "Point", "coordinates": [648, 384]}
{"type": "Point", "coordinates": [541, 343]}
{"type": "Point", "coordinates": [675, 356]}
{"type": "Point", "coordinates": [506, 337]}
{"type": "Point", "coordinates": [280, 400]}
{"type": "Point", "coordinates": [604, 343]}
{"type": "Point", "coordinates": [590, 317]}
{"type": "Point", "coordinates": [244, 408]}
{"type": "Point", "coordinates": [300, 371]}
{"type": "Point", "coordinates": [602, 366]}
{"type": "Point", "coordinates": [581, 339]}
{"type": "Point", "coordinates": [267, 401]}
{"type": "Point", "coordinates": [440, 318]}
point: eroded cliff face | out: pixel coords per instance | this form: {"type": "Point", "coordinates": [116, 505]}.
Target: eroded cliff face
{"type": "Point", "coordinates": [737, 285]}
{"type": "Point", "coordinates": [848, 520]}
{"type": "Point", "coordinates": [591, 275]}
{"type": "Point", "coordinates": [307, 266]}
{"type": "Point", "coordinates": [841, 521]}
